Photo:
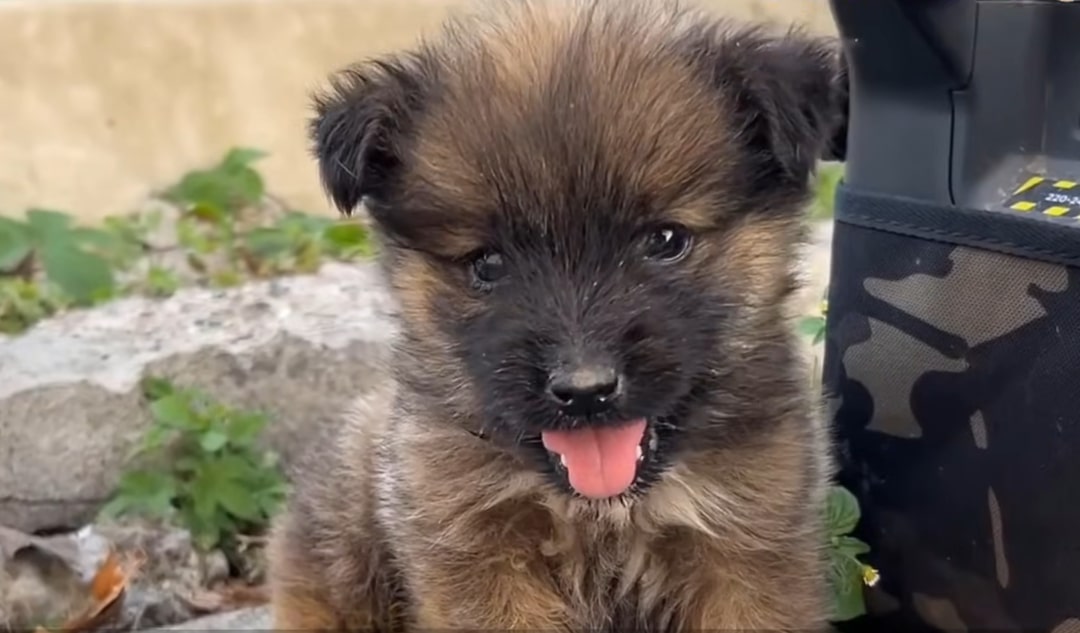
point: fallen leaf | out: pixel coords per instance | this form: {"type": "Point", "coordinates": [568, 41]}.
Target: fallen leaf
{"type": "Point", "coordinates": [106, 592]}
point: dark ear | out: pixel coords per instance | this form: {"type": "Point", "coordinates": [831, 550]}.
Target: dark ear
{"type": "Point", "coordinates": [359, 126]}
{"type": "Point", "coordinates": [789, 95]}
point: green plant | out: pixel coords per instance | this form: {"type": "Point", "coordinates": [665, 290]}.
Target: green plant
{"type": "Point", "coordinates": [812, 326]}
{"type": "Point", "coordinates": [221, 213]}
{"type": "Point", "coordinates": [229, 230]}
{"type": "Point", "coordinates": [78, 260]}
{"type": "Point", "coordinates": [23, 303]}
{"type": "Point", "coordinates": [847, 574]}
{"type": "Point", "coordinates": [201, 467]}
{"type": "Point", "coordinates": [824, 188]}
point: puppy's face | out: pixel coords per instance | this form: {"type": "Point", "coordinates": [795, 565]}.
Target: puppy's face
{"type": "Point", "coordinates": [589, 213]}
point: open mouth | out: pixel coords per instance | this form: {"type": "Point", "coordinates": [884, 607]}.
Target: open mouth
{"type": "Point", "coordinates": [602, 462]}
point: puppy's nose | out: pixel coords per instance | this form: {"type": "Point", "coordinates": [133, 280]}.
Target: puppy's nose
{"type": "Point", "coordinates": [584, 389]}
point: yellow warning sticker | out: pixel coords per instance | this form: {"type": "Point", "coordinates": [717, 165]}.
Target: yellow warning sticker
{"type": "Point", "coordinates": [1056, 198]}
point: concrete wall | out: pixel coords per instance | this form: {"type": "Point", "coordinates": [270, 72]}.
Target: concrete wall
{"type": "Point", "coordinates": [103, 101]}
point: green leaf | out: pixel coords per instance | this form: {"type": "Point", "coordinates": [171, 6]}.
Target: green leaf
{"type": "Point", "coordinates": [205, 531]}
{"type": "Point", "coordinates": [234, 466]}
{"type": "Point", "coordinates": [849, 604]}
{"type": "Point", "coordinates": [248, 185]}
{"type": "Point", "coordinates": [346, 235]}
{"type": "Point", "coordinates": [79, 274]}
{"type": "Point", "coordinates": [213, 441]}
{"type": "Point", "coordinates": [828, 179]}
{"type": "Point", "coordinates": [225, 479]}
{"type": "Point", "coordinates": [174, 410]}
{"type": "Point", "coordinates": [46, 224]}
{"type": "Point", "coordinates": [15, 244]}
{"type": "Point", "coordinates": [117, 507]}
{"type": "Point", "coordinates": [268, 242]}
{"type": "Point", "coordinates": [210, 210]}
{"type": "Point", "coordinates": [154, 388]}
{"type": "Point", "coordinates": [846, 580]}
{"type": "Point", "coordinates": [271, 497]}
{"type": "Point", "coordinates": [245, 427]}
{"type": "Point", "coordinates": [242, 157]}
{"type": "Point", "coordinates": [842, 513]}
{"type": "Point", "coordinates": [204, 489]}
{"type": "Point", "coordinates": [187, 464]}
{"type": "Point", "coordinates": [225, 279]}
{"type": "Point", "coordinates": [299, 222]}
{"type": "Point", "coordinates": [145, 482]}
{"type": "Point", "coordinates": [220, 190]}
{"type": "Point", "coordinates": [96, 238]}
{"type": "Point", "coordinates": [161, 282]}
{"type": "Point", "coordinates": [155, 438]}
{"type": "Point", "coordinates": [148, 492]}
{"type": "Point", "coordinates": [811, 325]}
{"type": "Point", "coordinates": [850, 546]}
{"type": "Point", "coordinates": [238, 501]}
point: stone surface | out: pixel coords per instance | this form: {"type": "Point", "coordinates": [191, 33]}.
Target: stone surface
{"type": "Point", "coordinates": [299, 348]}
{"type": "Point", "coordinates": [252, 619]}
{"type": "Point", "coordinates": [70, 407]}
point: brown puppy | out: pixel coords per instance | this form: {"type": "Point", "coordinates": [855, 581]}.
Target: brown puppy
{"type": "Point", "coordinates": [589, 215]}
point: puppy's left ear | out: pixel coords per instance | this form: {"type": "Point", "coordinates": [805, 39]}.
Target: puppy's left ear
{"type": "Point", "coordinates": [789, 94]}
{"type": "Point", "coordinates": [360, 124]}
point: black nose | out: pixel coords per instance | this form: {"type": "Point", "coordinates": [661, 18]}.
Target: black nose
{"type": "Point", "coordinates": [583, 390]}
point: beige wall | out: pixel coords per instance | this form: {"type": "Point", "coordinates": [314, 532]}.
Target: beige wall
{"type": "Point", "coordinates": [103, 101]}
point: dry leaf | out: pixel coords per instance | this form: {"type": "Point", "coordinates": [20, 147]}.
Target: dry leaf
{"type": "Point", "coordinates": [106, 593]}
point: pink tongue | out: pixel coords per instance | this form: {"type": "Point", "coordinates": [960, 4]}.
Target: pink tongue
{"type": "Point", "coordinates": [601, 462]}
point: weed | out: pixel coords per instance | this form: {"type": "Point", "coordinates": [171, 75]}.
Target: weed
{"type": "Point", "coordinates": [229, 230]}
{"type": "Point", "coordinates": [201, 468]}
{"type": "Point", "coordinates": [48, 263]}
{"type": "Point", "coordinates": [847, 574]}
{"type": "Point", "coordinates": [828, 178]}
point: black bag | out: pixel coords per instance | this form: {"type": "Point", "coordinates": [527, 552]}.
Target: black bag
{"type": "Point", "coordinates": [952, 360]}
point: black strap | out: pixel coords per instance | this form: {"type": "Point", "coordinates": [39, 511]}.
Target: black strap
{"type": "Point", "coordinates": [1004, 231]}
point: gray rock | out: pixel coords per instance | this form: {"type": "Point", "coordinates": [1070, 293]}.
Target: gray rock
{"type": "Point", "coordinates": [252, 619]}
{"type": "Point", "coordinates": [299, 348]}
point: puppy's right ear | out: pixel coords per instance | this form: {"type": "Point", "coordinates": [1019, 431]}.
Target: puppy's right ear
{"type": "Point", "coordinates": [359, 125]}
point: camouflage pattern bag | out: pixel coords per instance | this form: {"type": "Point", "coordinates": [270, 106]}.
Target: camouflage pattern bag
{"type": "Point", "coordinates": [952, 367]}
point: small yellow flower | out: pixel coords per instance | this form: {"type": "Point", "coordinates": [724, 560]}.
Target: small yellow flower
{"type": "Point", "coordinates": [870, 576]}
{"type": "Point", "coordinates": [824, 307]}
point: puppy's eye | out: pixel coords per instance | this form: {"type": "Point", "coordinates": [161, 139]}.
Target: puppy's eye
{"type": "Point", "coordinates": [668, 243]}
{"type": "Point", "coordinates": [487, 268]}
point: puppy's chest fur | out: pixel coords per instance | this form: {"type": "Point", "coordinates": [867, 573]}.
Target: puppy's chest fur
{"type": "Point", "coordinates": [603, 577]}
{"type": "Point", "coordinates": [606, 582]}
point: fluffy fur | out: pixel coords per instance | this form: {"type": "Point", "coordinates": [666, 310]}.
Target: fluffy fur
{"type": "Point", "coordinates": [562, 137]}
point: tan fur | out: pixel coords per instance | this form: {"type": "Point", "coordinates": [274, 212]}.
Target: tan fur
{"type": "Point", "coordinates": [409, 521]}
{"type": "Point", "coordinates": [504, 552]}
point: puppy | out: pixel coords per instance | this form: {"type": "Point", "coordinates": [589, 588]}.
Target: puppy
{"type": "Point", "coordinates": [589, 213]}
